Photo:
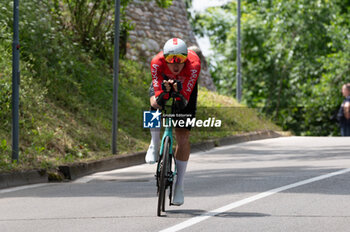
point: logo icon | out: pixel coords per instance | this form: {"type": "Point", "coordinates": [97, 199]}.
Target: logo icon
{"type": "Point", "coordinates": [151, 119]}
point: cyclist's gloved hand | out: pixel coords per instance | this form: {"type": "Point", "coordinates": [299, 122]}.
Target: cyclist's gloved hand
{"type": "Point", "coordinates": [166, 85]}
{"type": "Point", "coordinates": [161, 100]}
{"type": "Point", "coordinates": [177, 86]}
{"type": "Point", "coordinates": [180, 101]}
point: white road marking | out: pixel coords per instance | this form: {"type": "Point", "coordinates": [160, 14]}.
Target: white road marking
{"type": "Point", "coordinates": [195, 220]}
{"type": "Point", "coordinates": [14, 189]}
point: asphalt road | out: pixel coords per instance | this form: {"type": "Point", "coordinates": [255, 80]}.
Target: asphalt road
{"type": "Point", "coordinates": [283, 184]}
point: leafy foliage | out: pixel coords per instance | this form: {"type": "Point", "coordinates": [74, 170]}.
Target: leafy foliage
{"type": "Point", "coordinates": [91, 23]}
{"type": "Point", "coordinates": [294, 58]}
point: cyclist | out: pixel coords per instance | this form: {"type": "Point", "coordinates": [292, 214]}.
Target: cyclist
{"type": "Point", "coordinates": [175, 63]}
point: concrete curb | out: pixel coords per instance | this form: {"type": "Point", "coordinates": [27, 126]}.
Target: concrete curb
{"type": "Point", "coordinates": [22, 178]}
{"type": "Point", "coordinates": [74, 171]}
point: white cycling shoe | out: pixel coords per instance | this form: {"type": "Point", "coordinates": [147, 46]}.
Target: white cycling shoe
{"type": "Point", "coordinates": [152, 155]}
{"type": "Point", "coordinates": [178, 196]}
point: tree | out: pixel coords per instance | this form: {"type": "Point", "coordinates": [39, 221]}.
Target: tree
{"type": "Point", "coordinates": [288, 54]}
{"type": "Point", "coordinates": [91, 23]}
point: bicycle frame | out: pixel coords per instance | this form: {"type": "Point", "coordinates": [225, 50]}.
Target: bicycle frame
{"type": "Point", "coordinates": [168, 132]}
{"type": "Point", "coordinates": [166, 168]}
{"type": "Point", "coordinates": [165, 175]}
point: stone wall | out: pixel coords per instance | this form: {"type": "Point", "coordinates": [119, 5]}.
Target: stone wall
{"type": "Point", "coordinates": [154, 26]}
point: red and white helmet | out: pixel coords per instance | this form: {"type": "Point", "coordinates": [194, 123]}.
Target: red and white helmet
{"type": "Point", "coordinates": [175, 51]}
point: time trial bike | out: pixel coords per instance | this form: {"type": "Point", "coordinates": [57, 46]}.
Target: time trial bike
{"type": "Point", "coordinates": [166, 168]}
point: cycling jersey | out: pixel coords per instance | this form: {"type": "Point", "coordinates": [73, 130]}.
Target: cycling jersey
{"type": "Point", "coordinates": [188, 75]}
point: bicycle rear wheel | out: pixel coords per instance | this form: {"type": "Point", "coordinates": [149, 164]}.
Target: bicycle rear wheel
{"type": "Point", "coordinates": [163, 177]}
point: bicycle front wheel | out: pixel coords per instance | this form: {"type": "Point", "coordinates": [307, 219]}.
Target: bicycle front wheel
{"type": "Point", "coordinates": [163, 176]}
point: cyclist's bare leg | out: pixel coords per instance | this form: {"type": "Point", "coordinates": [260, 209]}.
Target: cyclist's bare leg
{"type": "Point", "coordinates": [182, 155]}
{"type": "Point", "coordinates": [152, 152]}
{"type": "Point", "coordinates": [183, 144]}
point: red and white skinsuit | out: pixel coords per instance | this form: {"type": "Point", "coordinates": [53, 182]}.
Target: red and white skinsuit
{"type": "Point", "coordinates": [188, 75]}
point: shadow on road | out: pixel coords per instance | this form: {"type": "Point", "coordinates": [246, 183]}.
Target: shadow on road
{"type": "Point", "coordinates": [190, 213]}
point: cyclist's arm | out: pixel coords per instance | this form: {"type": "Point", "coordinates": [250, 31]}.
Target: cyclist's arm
{"type": "Point", "coordinates": [193, 70]}
{"type": "Point", "coordinates": [157, 79]}
{"type": "Point", "coordinates": [153, 100]}
{"type": "Point", "coordinates": [182, 96]}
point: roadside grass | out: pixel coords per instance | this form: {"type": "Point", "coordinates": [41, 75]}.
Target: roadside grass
{"type": "Point", "coordinates": [60, 136]}
{"type": "Point", "coordinates": [235, 118]}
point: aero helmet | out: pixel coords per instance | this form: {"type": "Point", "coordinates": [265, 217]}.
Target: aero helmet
{"type": "Point", "coordinates": [175, 51]}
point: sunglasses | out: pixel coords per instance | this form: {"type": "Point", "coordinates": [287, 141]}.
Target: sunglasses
{"type": "Point", "coordinates": [175, 58]}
